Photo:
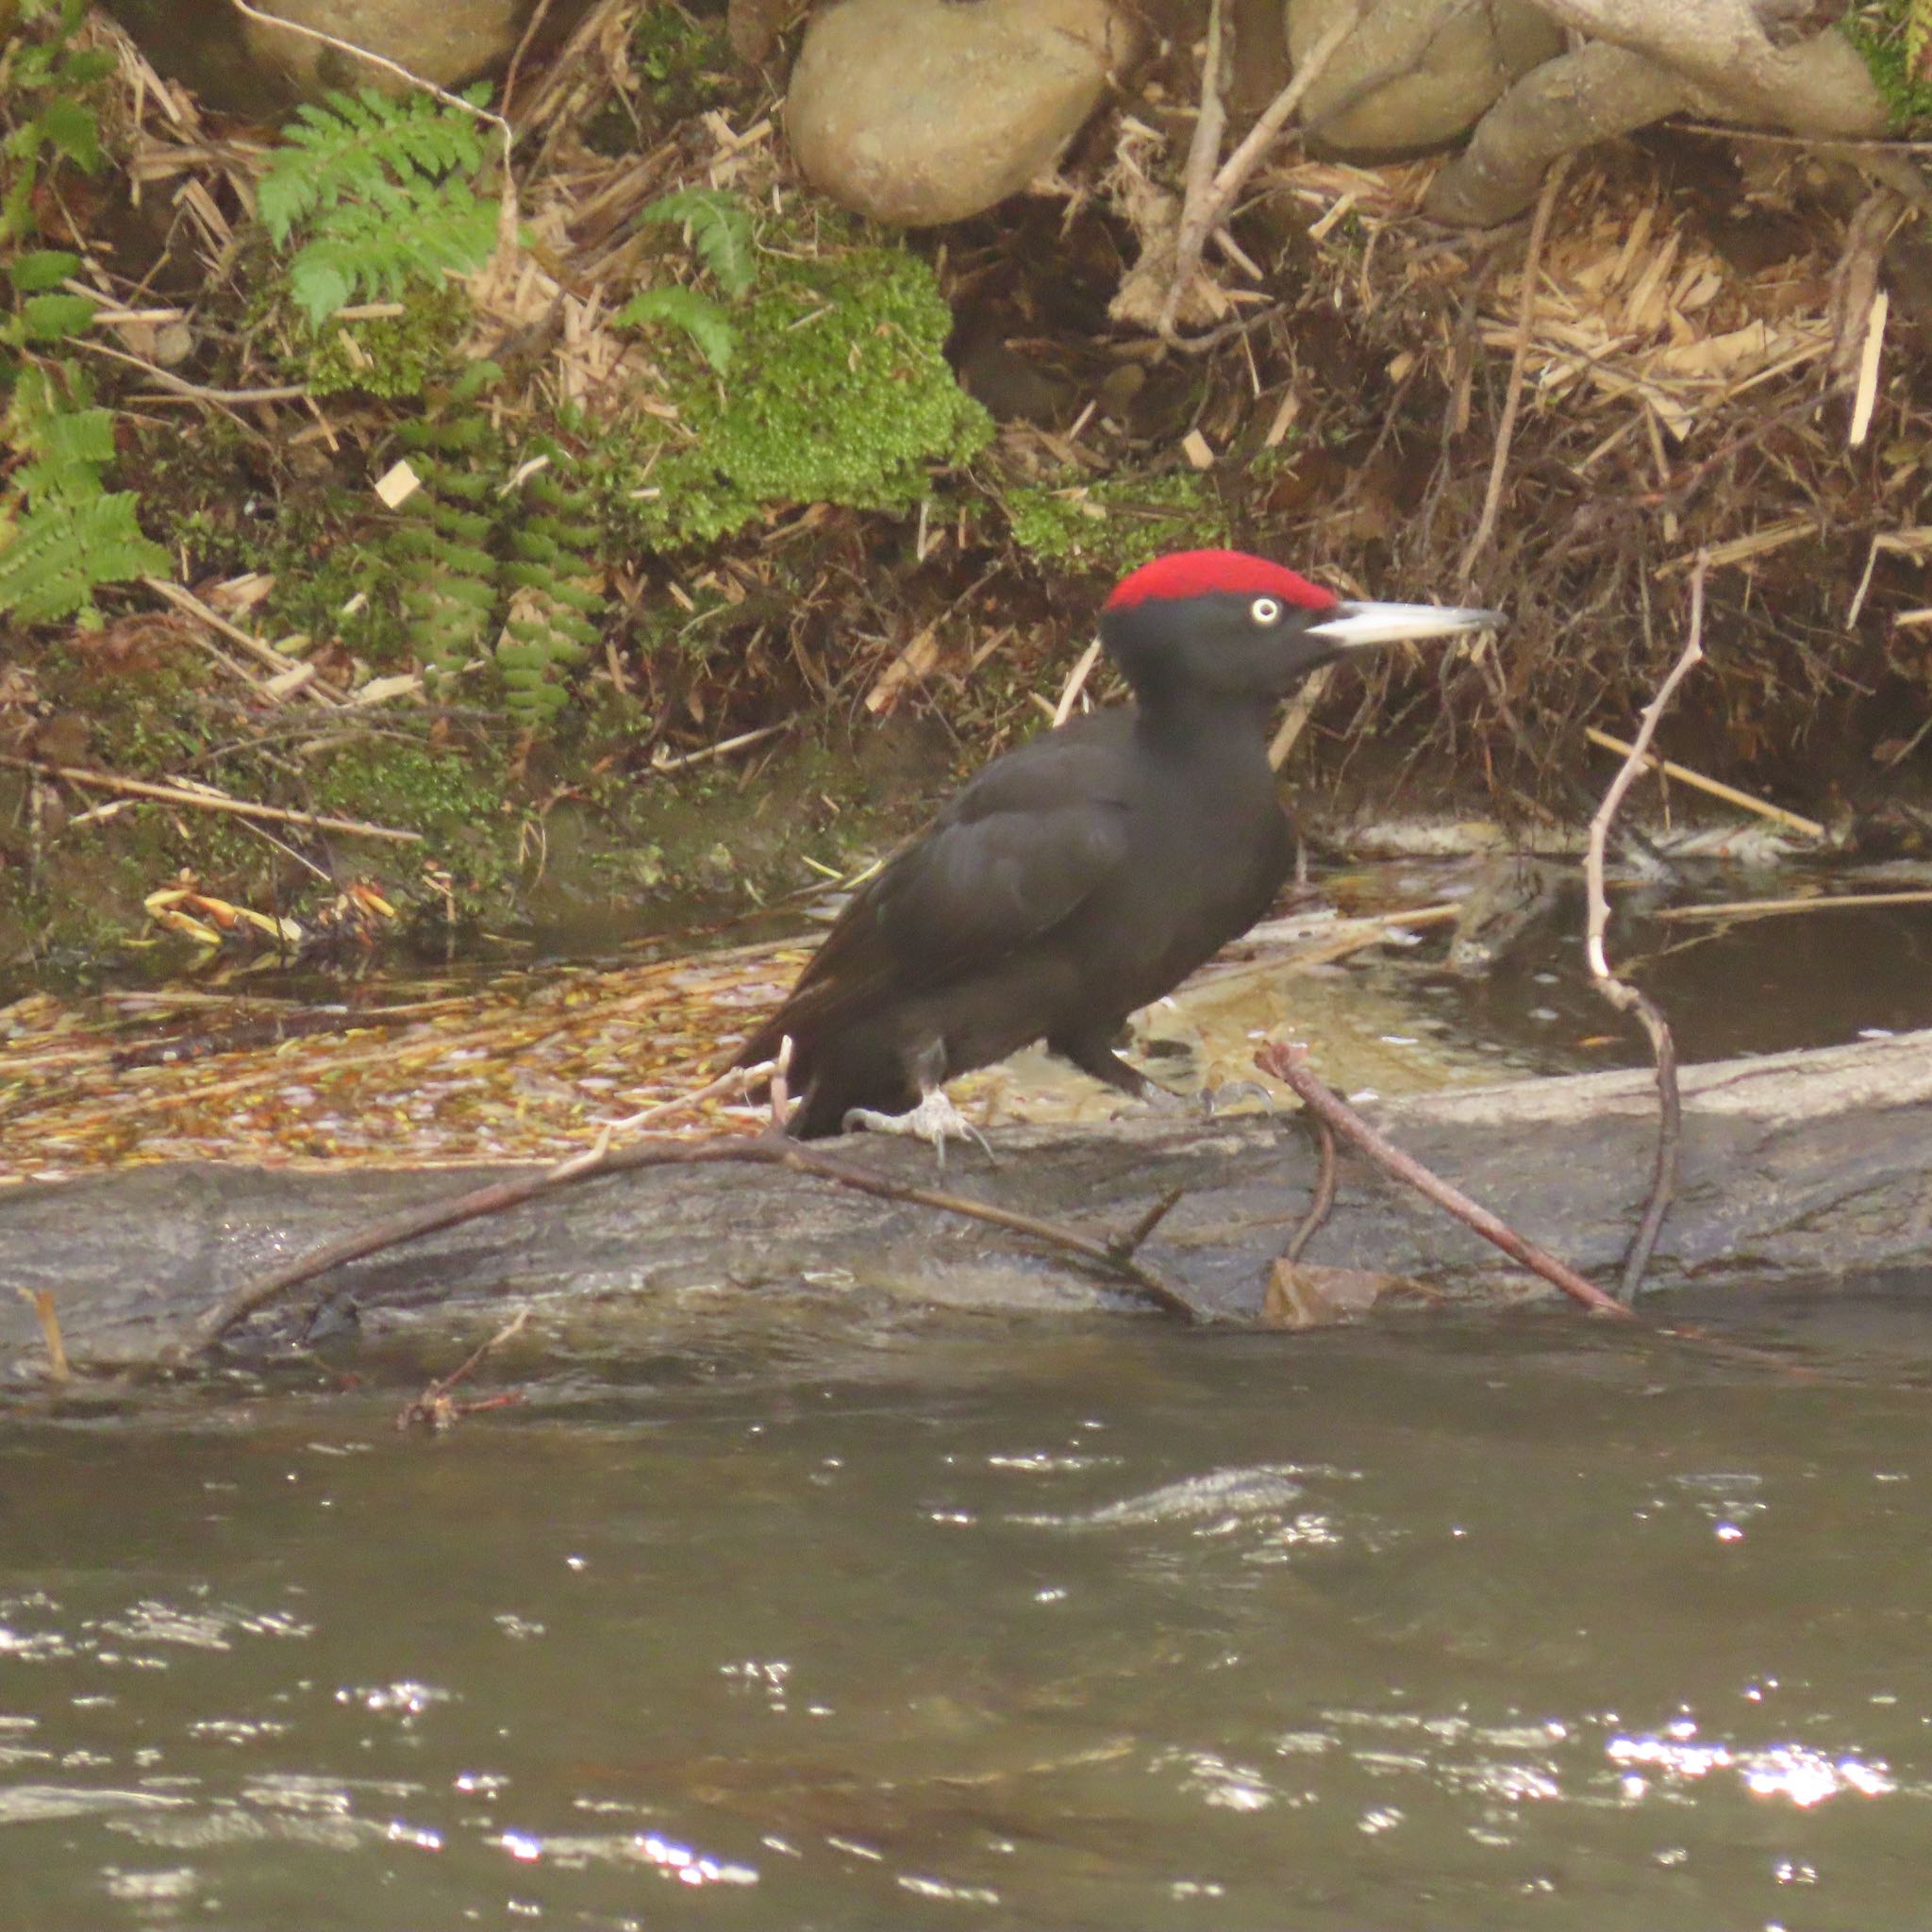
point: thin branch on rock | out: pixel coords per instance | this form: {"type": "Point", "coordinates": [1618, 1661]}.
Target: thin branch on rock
{"type": "Point", "coordinates": [1323, 1200]}
{"type": "Point", "coordinates": [1619, 992]}
{"type": "Point", "coordinates": [1127, 1244]}
{"type": "Point", "coordinates": [59, 1368]}
{"type": "Point", "coordinates": [1288, 1062]}
{"type": "Point", "coordinates": [1111, 1257]}
{"type": "Point", "coordinates": [357, 52]}
{"type": "Point", "coordinates": [736, 1081]}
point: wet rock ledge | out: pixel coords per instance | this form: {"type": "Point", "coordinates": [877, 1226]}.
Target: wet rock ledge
{"type": "Point", "coordinates": [1794, 1166]}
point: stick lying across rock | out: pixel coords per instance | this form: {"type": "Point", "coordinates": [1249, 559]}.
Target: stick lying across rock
{"type": "Point", "coordinates": [1794, 1167]}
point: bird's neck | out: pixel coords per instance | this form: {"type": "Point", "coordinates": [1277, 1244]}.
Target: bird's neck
{"type": "Point", "coordinates": [1200, 727]}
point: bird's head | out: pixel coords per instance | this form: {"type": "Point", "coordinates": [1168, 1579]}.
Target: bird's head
{"type": "Point", "coordinates": [1222, 625]}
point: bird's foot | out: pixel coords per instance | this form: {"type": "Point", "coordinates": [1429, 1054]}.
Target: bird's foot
{"type": "Point", "coordinates": [932, 1120]}
{"type": "Point", "coordinates": [1217, 1100]}
{"type": "Point", "coordinates": [1157, 1099]}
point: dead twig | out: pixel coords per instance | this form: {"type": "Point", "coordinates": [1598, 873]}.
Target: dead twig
{"type": "Point", "coordinates": [1314, 688]}
{"type": "Point", "coordinates": [59, 1367]}
{"type": "Point", "coordinates": [194, 392]}
{"type": "Point", "coordinates": [1518, 356]}
{"type": "Point", "coordinates": [662, 760]}
{"type": "Point", "coordinates": [435, 1411]}
{"type": "Point", "coordinates": [210, 801]}
{"type": "Point", "coordinates": [778, 1089]}
{"type": "Point", "coordinates": [733, 1080]}
{"type": "Point", "coordinates": [1211, 193]}
{"type": "Point", "coordinates": [513, 71]}
{"type": "Point", "coordinates": [357, 52]}
{"type": "Point", "coordinates": [766, 1151]}
{"type": "Point", "coordinates": [1204, 155]}
{"type": "Point", "coordinates": [1284, 1060]}
{"type": "Point", "coordinates": [1127, 1244]}
{"type": "Point", "coordinates": [1076, 684]}
{"type": "Point", "coordinates": [1619, 992]}
{"type": "Point", "coordinates": [1323, 1200]}
{"type": "Point", "coordinates": [281, 665]}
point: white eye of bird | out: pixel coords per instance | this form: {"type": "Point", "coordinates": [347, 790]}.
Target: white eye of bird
{"type": "Point", "coordinates": [1264, 610]}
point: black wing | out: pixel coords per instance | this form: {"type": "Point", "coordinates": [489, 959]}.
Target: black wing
{"type": "Point", "coordinates": [1010, 856]}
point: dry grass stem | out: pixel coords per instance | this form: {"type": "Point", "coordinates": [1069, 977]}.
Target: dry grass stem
{"type": "Point", "coordinates": [1791, 820]}
{"type": "Point", "coordinates": [1519, 359]}
{"type": "Point", "coordinates": [211, 801]}
{"type": "Point", "coordinates": [1076, 684]}
{"type": "Point", "coordinates": [1774, 908]}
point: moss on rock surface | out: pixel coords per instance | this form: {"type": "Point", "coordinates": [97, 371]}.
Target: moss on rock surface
{"type": "Point", "coordinates": [1119, 523]}
{"type": "Point", "coordinates": [386, 355]}
{"type": "Point", "coordinates": [1894, 52]}
{"type": "Point", "coordinates": [840, 394]}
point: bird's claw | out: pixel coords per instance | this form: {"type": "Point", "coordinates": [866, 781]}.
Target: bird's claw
{"type": "Point", "coordinates": [1158, 1099]}
{"type": "Point", "coordinates": [1213, 1099]}
{"type": "Point", "coordinates": [932, 1120]}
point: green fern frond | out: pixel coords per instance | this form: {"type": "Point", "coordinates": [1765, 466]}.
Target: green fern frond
{"type": "Point", "coordinates": [66, 451]}
{"type": "Point", "coordinates": [447, 573]}
{"type": "Point", "coordinates": [354, 145]}
{"type": "Point", "coordinates": [549, 632]}
{"type": "Point", "coordinates": [721, 233]}
{"type": "Point", "coordinates": [381, 194]}
{"type": "Point", "coordinates": [1917, 34]}
{"type": "Point", "coordinates": [63, 550]}
{"type": "Point", "coordinates": [697, 315]}
{"type": "Point", "coordinates": [382, 247]}
{"type": "Point", "coordinates": [449, 593]}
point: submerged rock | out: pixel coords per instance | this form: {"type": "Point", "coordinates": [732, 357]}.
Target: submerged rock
{"type": "Point", "coordinates": [923, 111]}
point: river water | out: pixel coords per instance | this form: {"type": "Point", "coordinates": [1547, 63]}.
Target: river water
{"type": "Point", "coordinates": [1451, 1623]}
{"type": "Point", "coordinates": [824, 1613]}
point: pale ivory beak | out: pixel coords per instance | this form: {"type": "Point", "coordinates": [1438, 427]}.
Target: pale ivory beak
{"type": "Point", "coordinates": [1354, 626]}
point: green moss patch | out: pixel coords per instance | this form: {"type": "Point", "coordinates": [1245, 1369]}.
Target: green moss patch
{"type": "Point", "coordinates": [1119, 523]}
{"type": "Point", "coordinates": [840, 394]}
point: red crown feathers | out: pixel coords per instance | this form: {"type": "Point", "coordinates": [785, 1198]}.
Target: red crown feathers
{"type": "Point", "coordinates": [1200, 573]}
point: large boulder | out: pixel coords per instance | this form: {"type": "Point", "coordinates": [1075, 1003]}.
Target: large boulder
{"type": "Point", "coordinates": [242, 65]}
{"type": "Point", "coordinates": [445, 43]}
{"type": "Point", "coordinates": [1415, 73]}
{"type": "Point", "coordinates": [923, 111]}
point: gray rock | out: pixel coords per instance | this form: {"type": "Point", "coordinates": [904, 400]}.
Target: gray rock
{"type": "Point", "coordinates": [923, 111]}
{"type": "Point", "coordinates": [1446, 61]}
{"type": "Point", "coordinates": [1798, 1167]}
{"type": "Point", "coordinates": [445, 43]}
